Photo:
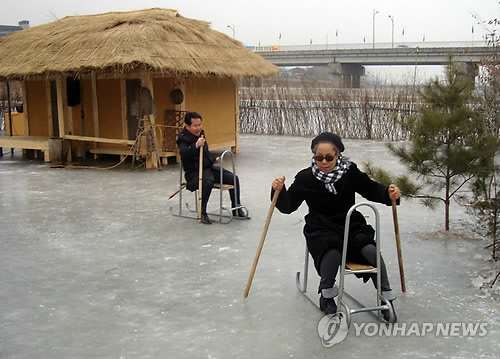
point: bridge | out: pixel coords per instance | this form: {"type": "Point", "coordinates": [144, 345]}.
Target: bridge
{"type": "Point", "coordinates": [346, 65]}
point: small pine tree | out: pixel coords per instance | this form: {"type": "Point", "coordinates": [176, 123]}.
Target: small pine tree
{"type": "Point", "coordinates": [449, 143]}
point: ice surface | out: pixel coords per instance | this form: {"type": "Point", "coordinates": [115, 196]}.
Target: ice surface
{"type": "Point", "coordinates": [94, 265]}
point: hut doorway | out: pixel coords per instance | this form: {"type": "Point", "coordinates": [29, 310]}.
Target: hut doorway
{"type": "Point", "coordinates": [133, 87]}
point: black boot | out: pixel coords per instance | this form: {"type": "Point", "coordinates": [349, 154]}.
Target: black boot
{"type": "Point", "coordinates": [240, 213]}
{"type": "Point", "coordinates": [387, 314]}
{"type": "Point", "coordinates": [205, 219]}
{"type": "Point", "coordinates": [327, 305]}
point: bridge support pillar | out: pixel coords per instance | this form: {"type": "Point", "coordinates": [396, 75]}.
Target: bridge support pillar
{"type": "Point", "coordinates": [346, 75]}
{"type": "Point", "coordinates": [469, 70]}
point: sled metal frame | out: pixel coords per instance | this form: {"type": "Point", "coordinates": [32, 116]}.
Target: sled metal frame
{"type": "Point", "coordinates": [224, 215]}
{"type": "Point", "coordinates": [382, 303]}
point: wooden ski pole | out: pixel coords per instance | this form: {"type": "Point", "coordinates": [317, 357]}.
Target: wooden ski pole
{"type": "Point", "coordinates": [175, 193]}
{"type": "Point", "coordinates": [261, 243]}
{"type": "Point", "coordinates": [200, 182]}
{"type": "Point", "coordinates": [398, 246]}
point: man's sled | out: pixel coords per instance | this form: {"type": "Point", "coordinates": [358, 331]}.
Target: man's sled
{"type": "Point", "coordinates": [224, 215]}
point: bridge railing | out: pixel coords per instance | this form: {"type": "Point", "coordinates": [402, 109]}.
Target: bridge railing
{"type": "Point", "coordinates": [379, 45]}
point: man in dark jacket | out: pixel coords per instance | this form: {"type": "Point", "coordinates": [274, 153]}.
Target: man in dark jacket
{"type": "Point", "coordinates": [191, 138]}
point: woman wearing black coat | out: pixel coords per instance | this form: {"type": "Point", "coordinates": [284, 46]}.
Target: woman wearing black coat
{"type": "Point", "coordinates": [328, 187]}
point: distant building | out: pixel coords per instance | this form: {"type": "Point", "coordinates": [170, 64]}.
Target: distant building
{"type": "Point", "coordinates": [7, 29]}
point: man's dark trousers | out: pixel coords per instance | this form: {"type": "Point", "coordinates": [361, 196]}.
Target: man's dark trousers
{"type": "Point", "coordinates": [211, 176]}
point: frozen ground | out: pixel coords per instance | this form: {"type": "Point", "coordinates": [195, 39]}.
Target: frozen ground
{"type": "Point", "coordinates": [93, 265]}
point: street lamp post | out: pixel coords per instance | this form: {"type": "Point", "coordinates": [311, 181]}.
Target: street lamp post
{"type": "Point", "coordinates": [232, 28]}
{"type": "Point", "coordinates": [392, 20]}
{"type": "Point", "coordinates": [375, 12]}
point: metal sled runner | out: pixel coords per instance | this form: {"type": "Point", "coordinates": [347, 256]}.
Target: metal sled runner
{"type": "Point", "coordinates": [352, 268]}
{"type": "Point", "coordinates": [224, 215]}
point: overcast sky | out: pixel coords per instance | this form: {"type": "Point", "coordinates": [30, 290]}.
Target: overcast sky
{"type": "Point", "coordinates": [298, 22]}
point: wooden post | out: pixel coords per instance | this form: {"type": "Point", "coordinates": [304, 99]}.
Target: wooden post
{"type": "Point", "coordinates": [50, 124]}
{"type": "Point", "coordinates": [95, 105]}
{"type": "Point", "coordinates": [60, 107]}
{"type": "Point", "coordinates": [26, 152]}
{"type": "Point", "coordinates": [61, 113]}
{"type": "Point", "coordinates": [181, 85]}
{"type": "Point", "coordinates": [82, 115]}
{"type": "Point", "coordinates": [48, 154]}
{"type": "Point", "coordinates": [25, 109]}
{"type": "Point", "coordinates": [56, 150]}
{"type": "Point", "coordinates": [67, 109]}
{"type": "Point", "coordinates": [123, 108]}
{"type": "Point", "coordinates": [10, 113]}
{"type": "Point", "coordinates": [236, 148]}
{"type": "Point", "coordinates": [151, 161]}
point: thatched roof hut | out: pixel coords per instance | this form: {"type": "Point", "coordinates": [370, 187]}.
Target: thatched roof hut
{"type": "Point", "coordinates": [153, 40]}
{"type": "Point", "coordinates": [82, 76]}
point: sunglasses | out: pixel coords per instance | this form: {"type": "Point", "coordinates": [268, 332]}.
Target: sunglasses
{"type": "Point", "coordinates": [328, 158]}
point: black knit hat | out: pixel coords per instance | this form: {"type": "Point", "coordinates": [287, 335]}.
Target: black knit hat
{"type": "Point", "coordinates": [328, 137]}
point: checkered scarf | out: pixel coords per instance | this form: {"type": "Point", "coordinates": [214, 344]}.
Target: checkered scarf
{"type": "Point", "coordinates": [329, 179]}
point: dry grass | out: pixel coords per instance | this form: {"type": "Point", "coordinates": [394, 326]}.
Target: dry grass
{"type": "Point", "coordinates": [305, 110]}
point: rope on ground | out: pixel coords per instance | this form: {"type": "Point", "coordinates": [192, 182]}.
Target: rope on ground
{"type": "Point", "coordinates": [130, 152]}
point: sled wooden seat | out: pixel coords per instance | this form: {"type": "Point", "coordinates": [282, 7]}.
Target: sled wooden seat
{"type": "Point", "coordinates": [356, 266]}
{"type": "Point", "coordinates": [224, 185]}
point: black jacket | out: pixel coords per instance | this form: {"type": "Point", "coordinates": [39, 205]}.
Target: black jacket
{"type": "Point", "coordinates": [325, 222]}
{"type": "Point", "coordinates": [190, 155]}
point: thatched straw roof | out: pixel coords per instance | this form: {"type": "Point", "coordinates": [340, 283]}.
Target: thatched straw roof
{"type": "Point", "coordinates": [154, 40]}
